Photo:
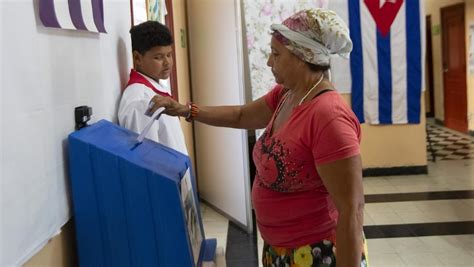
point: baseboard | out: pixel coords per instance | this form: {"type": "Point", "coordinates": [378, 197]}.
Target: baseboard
{"type": "Point", "coordinates": [439, 122]}
{"type": "Point", "coordinates": [389, 171]}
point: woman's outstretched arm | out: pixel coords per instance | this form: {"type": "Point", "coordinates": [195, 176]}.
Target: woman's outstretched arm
{"type": "Point", "coordinates": [254, 115]}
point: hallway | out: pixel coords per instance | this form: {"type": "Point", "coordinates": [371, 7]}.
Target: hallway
{"type": "Point", "coordinates": [422, 220]}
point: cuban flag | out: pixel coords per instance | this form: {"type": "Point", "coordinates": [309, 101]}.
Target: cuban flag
{"type": "Point", "coordinates": [87, 15]}
{"type": "Point", "coordinates": [386, 66]}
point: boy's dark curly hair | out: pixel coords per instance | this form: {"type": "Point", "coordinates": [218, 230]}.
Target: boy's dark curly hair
{"type": "Point", "coordinates": [148, 35]}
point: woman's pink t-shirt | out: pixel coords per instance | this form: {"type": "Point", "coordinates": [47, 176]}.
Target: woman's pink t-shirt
{"type": "Point", "coordinates": [292, 205]}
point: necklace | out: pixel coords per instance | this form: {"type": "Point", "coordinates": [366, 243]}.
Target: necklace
{"type": "Point", "coordinates": [312, 88]}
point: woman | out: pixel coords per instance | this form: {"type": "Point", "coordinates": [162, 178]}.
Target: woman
{"type": "Point", "coordinates": [307, 193]}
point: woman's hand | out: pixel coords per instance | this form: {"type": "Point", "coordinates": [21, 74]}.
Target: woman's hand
{"type": "Point", "coordinates": [172, 107]}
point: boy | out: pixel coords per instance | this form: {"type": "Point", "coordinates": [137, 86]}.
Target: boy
{"type": "Point", "coordinates": [153, 61]}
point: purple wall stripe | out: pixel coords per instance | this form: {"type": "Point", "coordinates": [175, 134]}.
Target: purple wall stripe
{"type": "Point", "coordinates": [98, 12]}
{"type": "Point", "coordinates": [49, 18]}
{"type": "Point", "coordinates": [48, 14]}
{"type": "Point", "coordinates": [76, 14]}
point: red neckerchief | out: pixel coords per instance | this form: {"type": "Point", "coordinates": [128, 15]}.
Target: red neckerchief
{"type": "Point", "coordinates": [136, 77]}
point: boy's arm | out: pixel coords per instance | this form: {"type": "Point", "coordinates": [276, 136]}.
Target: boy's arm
{"type": "Point", "coordinates": [131, 114]}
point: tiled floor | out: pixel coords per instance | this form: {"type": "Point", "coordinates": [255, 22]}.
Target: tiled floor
{"type": "Point", "coordinates": [448, 144]}
{"type": "Point", "coordinates": [418, 220]}
{"type": "Point", "coordinates": [215, 226]}
{"type": "Point", "coordinates": [451, 211]}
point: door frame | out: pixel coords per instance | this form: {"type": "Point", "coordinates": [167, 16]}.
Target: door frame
{"type": "Point", "coordinates": [169, 21]}
{"type": "Point", "coordinates": [429, 66]}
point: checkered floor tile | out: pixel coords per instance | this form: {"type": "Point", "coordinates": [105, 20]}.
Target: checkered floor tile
{"type": "Point", "coordinates": [448, 145]}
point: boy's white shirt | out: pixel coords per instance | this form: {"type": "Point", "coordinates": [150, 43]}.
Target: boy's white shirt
{"type": "Point", "coordinates": [131, 115]}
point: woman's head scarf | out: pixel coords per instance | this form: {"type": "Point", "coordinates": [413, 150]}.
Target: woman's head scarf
{"type": "Point", "coordinates": [313, 35]}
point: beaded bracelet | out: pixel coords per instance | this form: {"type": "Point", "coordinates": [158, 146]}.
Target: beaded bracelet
{"type": "Point", "coordinates": [193, 111]}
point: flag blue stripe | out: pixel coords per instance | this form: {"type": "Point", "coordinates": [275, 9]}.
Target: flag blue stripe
{"type": "Point", "coordinates": [413, 36]}
{"type": "Point", "coordinates": [385, 78]}
{"type": "Point", "coordinates": [357, 63]}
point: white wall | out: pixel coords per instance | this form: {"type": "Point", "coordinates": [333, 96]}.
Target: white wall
{"type": "Point", "coordinates": [1, 137]}
{"type": "Point", "coordinates": [217, 79]}
{"type": "Point", "coordinates": [45, 73]}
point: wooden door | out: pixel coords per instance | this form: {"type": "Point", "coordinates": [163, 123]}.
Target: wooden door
{"type": "Point", "coordinates": [454, 67]}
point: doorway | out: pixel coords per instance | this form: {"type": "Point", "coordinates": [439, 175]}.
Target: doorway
{"type": "Point", "coordinates": [454, 67]}
{"type": "Point", "coordinates": [429, 93]}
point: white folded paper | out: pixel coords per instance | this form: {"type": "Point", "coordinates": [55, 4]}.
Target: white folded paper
{"type": "Point", "coordinates": [154, 117]}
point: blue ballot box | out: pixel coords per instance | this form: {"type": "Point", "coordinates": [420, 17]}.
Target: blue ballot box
{"type": "Point", "coordinates": [134, 205]}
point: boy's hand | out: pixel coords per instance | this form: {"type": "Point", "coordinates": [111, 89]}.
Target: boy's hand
{"type": "Point", "coordinates": [172, 107]}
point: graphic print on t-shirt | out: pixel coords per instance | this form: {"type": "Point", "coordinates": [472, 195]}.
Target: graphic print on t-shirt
{"type": "Point", "coordinates": [273, 157]}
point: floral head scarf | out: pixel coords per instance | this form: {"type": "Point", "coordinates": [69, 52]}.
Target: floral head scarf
{"type": "Point", "coordinates": [314, 34]}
